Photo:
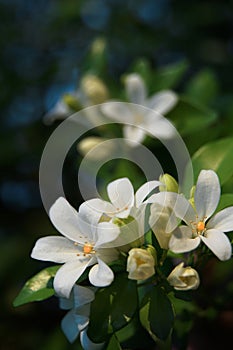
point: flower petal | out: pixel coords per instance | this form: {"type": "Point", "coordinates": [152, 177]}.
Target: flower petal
{"type": "Point", "coordinates": [65, 218]}
{"type": "Point", "coordinates": [218, 243]}
{"type": "Point", "coordinates": [135, 134]}
{"type": "Point", "coordinates": [82, 295]}
{"type": "Point", "coordinates": [55, 248]}
{"type": "Point", "coordinates": [162, 102]}
{"type": "Point", "coordinates": [121, 194]}
{"type": "Point", "coordinates": [101, 275]}
{"type": "Point", "coordinates": [177, 202]}
{"type": "Point", "coordinates": [157, 126]}
{"type": "Point", "coordinates": [69, 273]}
{"type": "Point", "coordinates": [207, 194]}
{"type": "Point", "coordinates": [106, 232]}
{"type": "Point", "coordinates": [222, 221]}
{"type": "Point", "coordinates": [181, 241]}
{"type": "Point", "coordinates": [144, 191]}
{"type": "Point", "coordinates": [117, 111]}
{"type": "Point", "coordinates": [135, 89]}
{"type": "Point", "coordinates": [69, 326]}
{"type": "Point", "coordinates": [87, 344]}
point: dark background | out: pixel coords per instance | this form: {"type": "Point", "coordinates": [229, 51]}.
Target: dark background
{"type": "Point", "coordinates": [44, 48]}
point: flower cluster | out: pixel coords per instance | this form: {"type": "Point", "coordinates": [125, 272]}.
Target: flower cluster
{"type": "Point", "coordinates": [132, 235]}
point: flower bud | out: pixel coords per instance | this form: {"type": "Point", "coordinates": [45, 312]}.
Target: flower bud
{"type": "Point", "coordinates": [140, 264]}
{"type": "Point", "coordinates": [72, 102]}
{"type": "Point", "coordinates": [169, 183]}
{"type": "Point", "coordinates": [87, 144]}
{"type": "Point", "coordinates": [94, 88]}
{"type": "Point", "coordinates": [184, 278]}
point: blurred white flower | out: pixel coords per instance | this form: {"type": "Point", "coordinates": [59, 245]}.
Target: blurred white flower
{"type": "Point", "coordinates": [139, 121]}
{"type": "Point", "coordinates": [200, 227]}
{"type": "Point", "coordinates": [76, 320]}
{"type": "Point", "coordinates": [81, 247]}
{"type": "Point", "coordinates": [91, 91]}
{"type": "Point", "coordinates": [140, 264]}
{"type": "Point", "coordinates": [184, 278]}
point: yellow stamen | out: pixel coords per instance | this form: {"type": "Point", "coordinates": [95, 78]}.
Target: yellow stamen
{"type": "Point", "coordinates": [200, 226]}
{"type": "Point", "coordinates": [87, 248]}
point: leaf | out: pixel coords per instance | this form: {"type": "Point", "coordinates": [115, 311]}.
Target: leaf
{"type": "Point", "coordinates": [161, 314]}
{"type": "Point", "coordinates": [114, 344]}
{"type": "Point", "coordinates": [157, 314]}
{"type": "Point", "coordinates": [218, 156]}
{"type": "Point", "coordinates": [124, 303]}
{"type": "Point", "coordinates": [37, 288]}
{"type": "Point", "coordinates": [226, 200]}
{"type": "Point", "coordinates": [203, 86]}
{"type": "Point", "coordinates": [189, 116]}
{"type": "Point", "coordinates": [169, 76]}
{"type": "Point", "coordinates": [99, 324]}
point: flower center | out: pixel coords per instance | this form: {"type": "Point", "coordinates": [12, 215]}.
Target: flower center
{"type": "Point", "coordinates": [87, 248]}
{"type": "Point", "coordinates": [200, 226]}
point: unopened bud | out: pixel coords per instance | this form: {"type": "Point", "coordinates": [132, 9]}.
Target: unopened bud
{"type": "Point", "coordinates": [169, 183]}
{"type": "Point", "coordinates": [140, 264]}
{"type": "Point", "coordinates": [94, 88]}
{"type": "Point", "coordinates": [184, 278]}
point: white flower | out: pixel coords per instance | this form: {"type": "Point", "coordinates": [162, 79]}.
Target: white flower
{"type": "Point", "coordinates": [163, 222]}
{"type": "Point", "coordinates": [200, 227]}
{"type": "Point", "coordinates": [81, 247]}
{"type": "Point", "coordinates": [184, 278]}
{"type": "Point", "coordinates": [142, 120]}
{"type": "Point", "coordinates": [140, 264]}
{"type": "Point", "coordinates": [76, 320]}
{"type": "Point", "coordinates": [122, 198]}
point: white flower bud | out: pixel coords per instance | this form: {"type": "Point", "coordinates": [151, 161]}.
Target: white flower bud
{"type": "Point", "coordinates": [169, 183]}
{"type": "Point", "coordinates": [140, 264]}
{"type": "Point", "coordinates": [184, 278]}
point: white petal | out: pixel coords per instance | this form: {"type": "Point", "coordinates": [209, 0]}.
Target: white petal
{"type": "Point", "coordinates": [207, 193]}
{"type": "Point", "coordinates": [158, 127]}
{"type": "Point", "coordinates": [135, 134]}
{"type": "Point", "coordinates": [93, 209]}
{"type": "Point", "coordinates": [69, 326]}
{"type": "Point", "coordinates": [87, 344]}
{"type": "Point", "coordinates": [121, 194]}
{"type": "Point", "coordinates": [82, 295]}
{"type": "Point", "coordinates": [181, 241]}
{"type": "Point", "coordinates": [218, 243]}
{"type": "Point", "coordinates": [69, 273]}
{"type": "Point", "coordinates": [222, 221]}
{"type": "Point", "coordinates": [56, 249]}
{"type": "Point", "coordinates": [106, 232]}
{"type": "Point", "coordinates": [144, 191]}
{"type": "Point", "coordinates": [135, 88]}
{"type": "Point", "coordinates": [118, 111]}
{"type": "Point", "coordinates": [177, 202]}
{"type": "Point", "coordinates": [162, 102]}
{"type": "Point", "coordinates": [65, 218]}
{"type": "Point", "coordinates": [101, 275]}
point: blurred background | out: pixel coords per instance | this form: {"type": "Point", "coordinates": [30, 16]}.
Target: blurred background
{"type": "Point", "coordinates": [46, 47]}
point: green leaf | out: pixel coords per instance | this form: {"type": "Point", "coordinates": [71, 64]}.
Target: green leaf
{"type": "Point", "coordinates": [114, 344]}
{"type": "Point", "coordinates": [124, 303]}
{"type": "Point", "coordinates": [99, 325]}
{"type": "Point", "coordinates": [218, 156]}
{"type": "Point", "coordinates": [189, 116]}
{"type": "Point", "coordinates": [203, 86]}
{"type": "Point", "coordinates": [169, 76]}
{"type": "Point", "coordinates": [37, 288]}
{"type": "Point", "coordinates": [157, 314]}
{"type": "Point", "coordinates": [226, 200]}
{"type": "Point", "coordinates": [161, 314]}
